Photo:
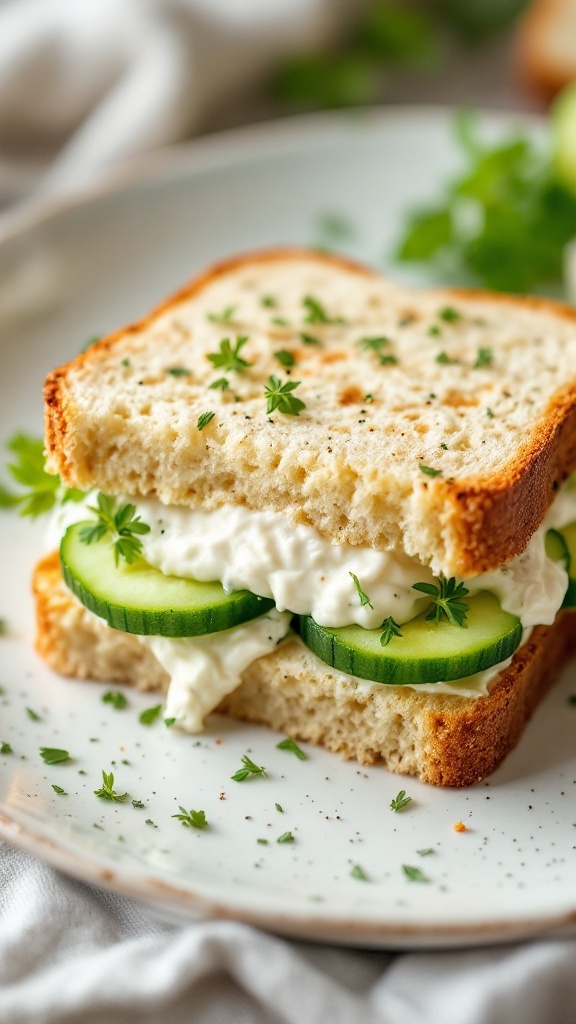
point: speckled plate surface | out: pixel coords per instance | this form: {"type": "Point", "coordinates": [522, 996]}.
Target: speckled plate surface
{"type": "Point", "coordinates": [70, 272]}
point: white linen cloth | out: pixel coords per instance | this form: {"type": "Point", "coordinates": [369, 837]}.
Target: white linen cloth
{"type": "Point", "coordinates": [83, 85]}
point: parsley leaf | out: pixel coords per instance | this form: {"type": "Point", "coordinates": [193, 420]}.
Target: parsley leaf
{"type": "Point", "coordinates": [414, 874]}
{"type": "Point", "coordinates": [59, 790]}
{"type": "Point", "coordinates": [223, 383]}
{"type": "Point", "coordinates": [5, 748]}
{"type": "Point", "coordinates": [115, 698]}
{"type": "Point", "coordinates": [178, 371]}
{"type": "Point", "coordinates": [388, 360]}
{"type": "Point", "coordinates": [445, 360]}
{"type": "Point", "coordinates": [446, 600]}
{"type": "Point", "coordinates": [309, 339]}
{"type": "Point", "coordinates": [279, 396]}
{"type": "Point", "coordinates": [121, 523]}
{"type": "Point", "coordinates": [150, 715]}
{"type": "Point", "coordinates": [42, 490]}
{"type": "Point", "coordinates": [53, 755]}
{"type": "Point", "coordinates": [192, 819]}
{"type": "Point", "coordinates": [204, 419]}
{"type": "Point", "coordinates": [32, 715]}
{"type": "Point", "coordinates": [286, 837]}
{"type": "Point", "coordinates": [364, 599]}
{"type": "Point", "coordinates": [485, 357]}
{"type": "Point", "coordinates": [279, 808]}
{"type": "Point", "coordinates": [137, 804]}
{"type": "Point", "coordinates": [316, 314]}
{"type": "Point", "coordinates": [398, 803]}
{"type": "Point", "coordinates": [228, 358]}
{"type": "Point", "coordinates": [268, 302]}
{"type": "Point", "coordinates": [289, 744]}
{"type": "Point", "coordinates": [391, 629]}
{"type": "Point", "coordinates": [285, 358]}
{"type": "Point", "coordinates": [107, 792]}
{"type": "Point", "coordinates": [359, 873]}
{"type": "Point", "coordinates": [450, 315]}
{"type": "Point", "coordinates": [222, 318]}
{"type": "Point", "coordinates": [373, 344]}
{"type": "Point", "coordinates": [426, 852]}
{"type": "Point", "coordinates": [249, 769]}
{"type": "Point", "coordinates": [428, 470]}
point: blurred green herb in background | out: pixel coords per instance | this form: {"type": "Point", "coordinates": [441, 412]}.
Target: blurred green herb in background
{"type": "Point", "coordinates": [504, 223]}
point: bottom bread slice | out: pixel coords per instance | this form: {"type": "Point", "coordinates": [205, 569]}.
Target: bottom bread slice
{"type": "Point", "coordinates": [443, 739]}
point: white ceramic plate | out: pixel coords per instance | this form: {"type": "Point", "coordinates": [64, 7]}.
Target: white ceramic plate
{"type": "Point", "coordinates": [82, 269]}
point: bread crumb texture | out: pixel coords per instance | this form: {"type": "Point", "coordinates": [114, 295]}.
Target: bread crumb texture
{"type": "Point", "coordinates": [443, 739]}
{"type": "Point", "coordinates": [480, 390]}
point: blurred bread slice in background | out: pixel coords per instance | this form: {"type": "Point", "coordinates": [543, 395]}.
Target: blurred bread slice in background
{"type": "Point", "coordinates": [546, 45]}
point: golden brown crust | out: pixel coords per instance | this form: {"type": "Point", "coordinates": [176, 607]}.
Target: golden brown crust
{"type": "Point", "coordinates": [488, 519]}
{"type": "Point", "coordinates": [443, 739]}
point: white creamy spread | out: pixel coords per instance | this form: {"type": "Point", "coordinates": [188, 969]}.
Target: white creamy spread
{"type": "Point", "coordinates": [305, 573]}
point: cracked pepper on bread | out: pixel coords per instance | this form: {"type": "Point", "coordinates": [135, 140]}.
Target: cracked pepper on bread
{"type": "Point", "coordinates": [427, 448]}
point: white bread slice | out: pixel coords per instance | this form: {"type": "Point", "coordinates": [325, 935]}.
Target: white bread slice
{"type": "Point", "coordinates": [349, 464]}
{"type": "Point", "coordinates": [443, 739]}
{"type": "Point", "coordinates": [546, 45]}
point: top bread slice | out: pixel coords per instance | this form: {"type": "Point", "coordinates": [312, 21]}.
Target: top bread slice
{"type": "Point", "coordinates": [452, 449]}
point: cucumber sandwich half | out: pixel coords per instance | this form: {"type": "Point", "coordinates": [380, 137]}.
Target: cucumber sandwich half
{"type": "Point", "coordinates": [316, 500]}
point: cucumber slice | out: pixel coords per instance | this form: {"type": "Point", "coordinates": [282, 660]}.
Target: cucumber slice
{"type": "Point", "coordinates": [556, 547]}
{"type": "Point", "coordinates": [139, 599]}
{"type": "Point", "coordinates": [563, 123]}
{"type": "Point", "coordinates": [426, 652]}
{"type": "Point", "coordinates": [569, 537]}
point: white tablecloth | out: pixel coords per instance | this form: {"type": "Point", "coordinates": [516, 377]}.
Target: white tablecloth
{"type": "Point", "coordinates": [84, 85]}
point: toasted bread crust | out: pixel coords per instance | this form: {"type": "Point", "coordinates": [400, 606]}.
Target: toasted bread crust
{"type": "Point", "coordinates": [484, 521]}
{"type": "Point", "coordinates": [443, 739]}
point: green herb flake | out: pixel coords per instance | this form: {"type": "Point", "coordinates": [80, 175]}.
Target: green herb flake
{"type": "Point", "coordinates": [279, 396]}
{"type": "Point", "coordinates": [445, 360]}
{"type": "Point", "coordinates": [316, 313]}
{"type": "Point", "coordinates": [286, 837]}
{"type": "Point", "coordinates": [150, 822]}
{"type": "Point", "coordinates": [248, 769]}
{"type": "Point", "coordinates": [364, 599]}
{"type": "Point", "coordinates": [373, 344]}
{"type": "Point", "coordinates": [192, 819]}
{"type": "Point", "coordinates": [150, 715]}
{"type": "Point", "coordinates": [310, 340]}
{"type": "Point", "coordinates": [107, 791]}
{"type": "Point", "coordinates": [428, 470]}
{"type": "Point", "coordinates": [359, 873]}
{"type": "Point", "coordinates": [290, 745]}
{"type": "Point", "coordinates": [53, 755]}
{"type": "Point", "coordinates": [447, 600]}
{"type": "Point", "coordinates": [178, 371]}
{"type": "Point", "coordinates": [449, 315]}
{"type": "Point", "coordinates": [399, 802]}
{"type": "Point", "coordinates": [59, 790]}
{"type": "Point", "coordinates": [204, 419]}
{"type": "Point", "coordinates": [369, 397]}
{"type": "Point", "coordinates": [285, 358]}
{"type": "Point", "coordinates": [484, 357]}
{"type": "Point", "coordinates": [268, 302]}
{"type": "Point", "coordinates": [137, 804]}
{"type": "Point", "coordinates": [32, 715]}
{"type": "Point", "coordinates": [121, 524]}
{"type": "Point", "coordinates": [434, 331]}
{"type": "Point", "coordinates": [125, 362]}
{"type": "Point", "coordinates": [224, 317]}
{"type": "Point", "coordinates": [388, 360]}
{"type": "Point", "coordinates": [116, 698]}
{"type": "Point", "coordinates": [168, 722]}
{"type": "Point", "coordinates": [221, 384]}
{"type": "Point", "coordinates": [426, 852]}
{"type": "Point", "coordinates": [5, 748]}
{"type": "Point", "coordinates": [414, 874]}
{"type": "Point", "coordinates": [279, 808]}
{"type": "Point", "coordinates": [444, 446]}
{"type": "Point", "coordinates": [262, 842]}
{"type": "Point", "coordinates": [228, 359]}
{"type": "Point", "coordinates": [489, 413]}
{"type": "Point", "coordinates": [280, 321]}
{"type": "Point", "coordinates": [391, 629]}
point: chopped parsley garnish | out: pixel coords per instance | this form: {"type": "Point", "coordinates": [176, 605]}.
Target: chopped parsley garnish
{"type": "Point", "coordinates": [414, 874]}
{"type": "Point", "coordinates": [178, 371]}
{"type": "Point", "coordinates": [289, 744]}
{"type": "Point", "coordinates": [204, 419]}
{"type": "Point", "coordinates": [428, 470]}
{"type": "Point", "coordinates": [279, 396]}
{"type": "Point", "coordinates": [309, 339]}
{"type": "Point", "coordinates": [168, 722]}
{"type": "Point", "coordinates": [485, 357]}
{"type": "Point", "coordinates": [125, 362]}
{"type": "Point", "coordinates": [263, 842]}
{"type": "Point", "coordinates": [42, 490]}
{"type": "Point", "coordinates": [280, 321]}
{"type": "Point", "coordinates": [32, 715]}
{"type": "Point", "coordinates": [369, 397]}
{"type": "Point", "coordinates": [359, 873]}
{"type": "Point", "coordinates": [316, 314]}
{"type": "Point", "coordinates": [285, 358]}
{"type": "Point", "coordinates": [5, 748]}
{"type": "Point", "coordinates": [222, 318]}
{"type": "Point", "coordinates": [107, 791]}
{"type": "Point", "coordinates": [279, 808]}
{"type": "Point", "coordinates": [426, 852]}
{"type": "Point", "coordinates": [286, 837]}
{"type": "Point", "coordinates": [121, 523]}
{"type": "Point", "coordinates": [228, 358]}
{"type": "Point", "coordinates": [53, 755]}
{"type": "Point", "coordinates": [445, 360]}
{"type": "Point", "coordinates": [59, 790]}
{"type": "Point", "coordinates": [150, 715]}
{"type": "Point", "coordinates": [391, 628]}
{"type": "Point", "coordinates": [434, 331]}
{"type": "Point", "coordinates": [444, 446]}
{"type": "Point", "coordinates": [115, 698]}
{"type": "Point", "coordinates": [192, 819]}
{"type": "Point", "coordinates": [268, 302]}
{"type": "Point", "coordinates": [137, 804]}
{"type": "Point", "coordinates": [364, 599]}
{"type": "Point", "coordinates": [248, 770]}
{"type": "Point", "coordinates": [449, 315]}
{"type": "Point", "coordinates": [399, 802]}
{"type": "Point", "coordinates": [489, 414]}
{"type": "Point", "coordinates": [373, 344]}
{"type": "Point", "coordinates": [388, 360]}
{"type": "Point", "coordinates": [446, 600]}
{"type": "Point", "coordinates": [221, 383]}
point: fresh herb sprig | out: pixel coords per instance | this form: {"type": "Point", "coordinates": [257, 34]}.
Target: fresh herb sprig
{"type": "Point", "coordinates": [228, 359]}
{"type": "Point", "coordinates": [123, 525]}
{"type": "Point", "coordinates": [107, 791]}
{"type": "Point", "coordinates": [42, 490]}
{"type": "Point", "coordinates": [249, 769]}
{"type": "Point", "coordinates": [447, 600]}
{"type": "Point", "coordinates": [192, 819]}
{"type": "Point", "coordinates": [391, 629]}
{"type": "Point", "coordinates": [53, 755]}
{"type": "Point", "coordinates": [279, 396]}
{"type": "Point", "coordinates": [364, 599]}
{"type": "Point", "coordinates": [290, 745]}
{"type": "Point", "coordinates": [399, 802]}
{"type": "Point", "coordinates": [316, 312]}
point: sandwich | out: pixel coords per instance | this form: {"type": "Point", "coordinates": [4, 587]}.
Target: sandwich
{"type": "Point", "coordinates": [319, 501]}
